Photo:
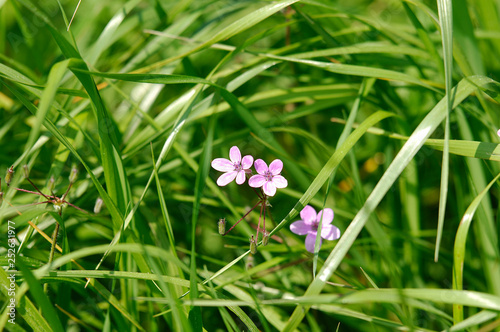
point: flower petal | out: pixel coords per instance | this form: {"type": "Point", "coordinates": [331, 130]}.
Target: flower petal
{"type": "Point", "coordinates": [327, 216]}
{"type": "Point", "coordinates": [256, 181]}
{"type": "Point", "coordinates": [247, 162]}
{"type": "Point", "coordinates": [279, 181]}
{"type": "Point", "coordinates": [330, 232]}
{"type": "Point", "coordinates": [269, 188]}
{"type": "Point", "coordinates": [308, 214]}
{"type": "Point", "coordinates": [235, 154]}
{"type": "Point", "coordinates": [240, 178]}
{"type": "Point", "coordinates": [260, 166]}
{"type": "Point", "coordinates": [222, 165]}
{"type": "Point", "coordinates": [225, 178]}
{"type": "Point", "coordinates": [276, 166]}
{"type": "Point", "coordinates": [311, 241]}
{"type": "Point", "coordinates": [299, 227]}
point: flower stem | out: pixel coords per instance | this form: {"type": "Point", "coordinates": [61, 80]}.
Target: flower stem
{"type": "Point", "coordinates": [264, 205]}
{"type": "Point", "coordinates": [54, 241]}
{"type": "Point", "coordinates": [46, 197]}
{"type": "Point", "coordinates": [246, 214]}
{"type": "Point", "coordinates": [52, 249]}
{"type": "Point", "coordinates": [260, 217]}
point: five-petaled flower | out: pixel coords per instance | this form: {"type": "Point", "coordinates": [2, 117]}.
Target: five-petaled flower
{"type": "Point", "coordinates": [268, 178]}
{"type": "Point", "coordinates": [236, 168]}
{"type": "Point", "coordinates": [309, 225]}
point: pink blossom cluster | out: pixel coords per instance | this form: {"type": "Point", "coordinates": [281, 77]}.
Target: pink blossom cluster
{"type": "Point", "coordinates": [236, 167]}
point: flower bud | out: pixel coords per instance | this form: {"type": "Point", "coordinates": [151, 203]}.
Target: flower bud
{"type": "Point", "coordinates": [222, 226]}
{"type": "Point", "coordinates": [26, 171]}
{"type": "Point", "coordinates": [98, 205]}
{"type": "Point", "coordinates": [265, 238]}
{"type": "Point", "coordinates": [250, 262]}
{"type": "Point", "coordinates": [73, 175]}
{"type": "Point", "coordinates": [253, 245]}
{"type": "Point", "coordinates": [8, 176]}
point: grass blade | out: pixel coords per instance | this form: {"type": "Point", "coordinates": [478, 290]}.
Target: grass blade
{"type": "Point", "coordinates": [459, 248]}
{"type": "Point", "coordinates": [446, 22]}
{"type": "Point", "coordinates": [415, 142]}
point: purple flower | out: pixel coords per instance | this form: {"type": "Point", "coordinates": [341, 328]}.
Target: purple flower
{"type": "Point", "coordinates": [236, 168]}
{"type": "Point", "coordinates": [268, 178]}
{"type": "Point", "coordinates": [309, 225]}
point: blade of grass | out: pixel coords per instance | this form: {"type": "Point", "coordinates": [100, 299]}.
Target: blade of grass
{"type": "Point", "coordinates": [105, 39]}
{"type": "Point", "coordinates": [364, 89]}
{"type": "Point", "coordinates": [59, 136]}
{"type": "Point", "coordinates": [466, 148]}
{"type": "Point", "coordinates": [330, 165]}
{"type": "Point", "coordinates": [201, 176]}
{"type": "Point", "coordinates": [459, 247]}
{"type": "Point", "coordinates": [114, 173]}
{"type": "Point", "coordinates": [55, 77]}
{"type": "Point", "coordinates": [411, 147]}
{"type": "Point", "coordinates": [24, 307]}
{"type": "Point", "coordinates": [473, 321]}
{"type": "Point", "coordinates": [383, 295]}
{"type": "Point", "coordinates": [233, 29]}
{"type": "Point", "coordinates": [446, 22]}
{"type": "Point", "coordinates": [485, 231]}
{"type": "Point", "coordinates": [40, 297]}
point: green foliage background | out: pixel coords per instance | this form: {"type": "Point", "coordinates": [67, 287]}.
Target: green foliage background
{"type": "Point", "coordinates": [384, 111]}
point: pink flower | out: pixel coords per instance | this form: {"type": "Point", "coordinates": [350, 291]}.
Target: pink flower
{"type": "Point", "coordinates": [309, 225]}
{"type": "Point", "coordinates": [268, 178]}
{"type": "Point", "coordinates": [498, 132]}
{"type": "Point", "coordinates": [236, 168]}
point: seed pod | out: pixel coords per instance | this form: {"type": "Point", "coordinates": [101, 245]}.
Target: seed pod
{"type": "Point", "coordinates": [265, 238]}
{"type": "Point", "coordinates": [73, 175]}
{"type": "Point", "coordinates": [222, 226]}
{"type": "Point", "coordinates": [253, 245]}
{"type": "Point", "coordinates": [98, 205]}
{"type": "Point", "coordinates": [26, 171]}
{"type": "Point", "coordinates": [250, 262]}
{"type": "Point", "coordinates": [8, 176]}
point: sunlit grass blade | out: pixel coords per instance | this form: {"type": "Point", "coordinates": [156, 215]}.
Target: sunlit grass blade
{"type": "Point", "coordinates": [233, 29]}
{"type": "Point", "coordinates": [459, 248]}
{"type": "Point", "coordinates": [106, 38]}
{"type": "Point", "coordinates": [485, 231]}
{"type": "Point", "coordinates": [56, 74]}
{"type": "Point", "coordinates": [57, 134]}
{"type": "Point", "coordinates": [474, 320]}
{"type": "Point", "coordinates": [471, 149]}
{"type": "Point", "coordinates": [331, 164]}
{"type": "Point", "coordinates": [383, 295]}
{"type": "Point", "coordinates": [114, 173]}
{"type": "Point", "coordinates": [417, 139]}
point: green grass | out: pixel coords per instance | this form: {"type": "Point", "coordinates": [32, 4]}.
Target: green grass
{"type": "Point", "coordinates": [384, 111]}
